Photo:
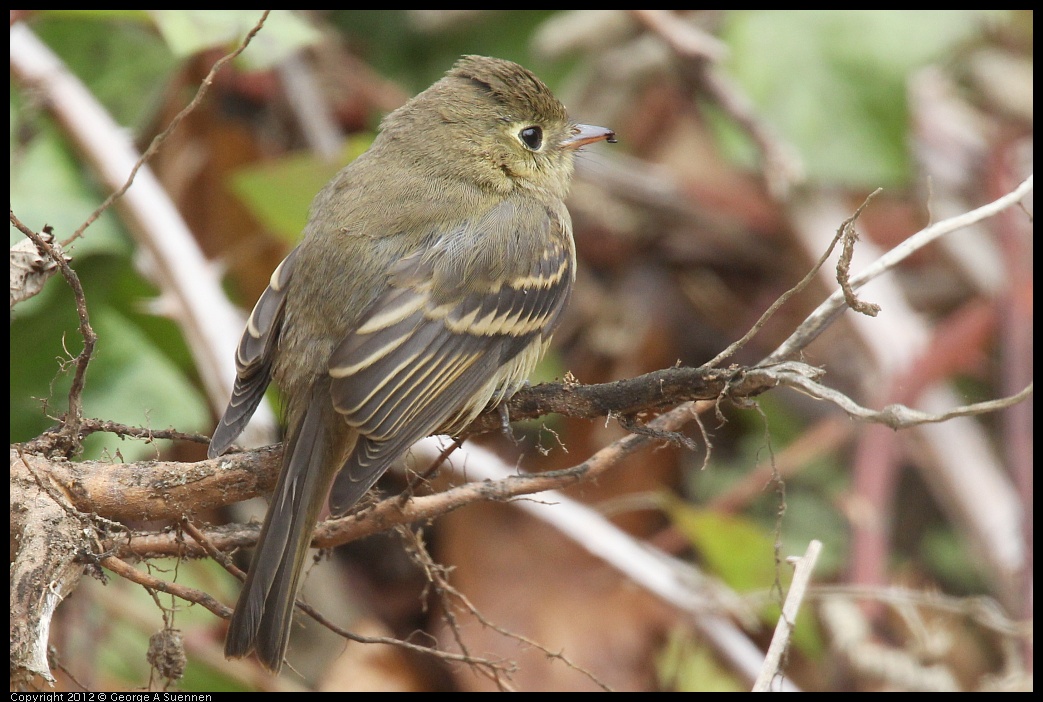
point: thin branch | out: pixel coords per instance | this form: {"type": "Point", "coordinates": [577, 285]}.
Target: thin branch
{"type": "Point", "coordinates": [192, 595]}
{"type": "Point", "coordinates": [895, 416]}
{"type": "Point", "coordinates": [158, 140]}
{"type": "Point", "coordinates": [189, 594]}
{"type": "Point", "coordinates": [780, 640]}
{"type": "Point", "coordinates": [842, 233]}
{"type": "Point", "coordinates": [92, 426]}
{"type": "Point", "coordinates": [700, 54]}
{"type": "Point", "coordinates": [849, 235]}
{"type": "Point", "coordinates": [181, 272]}
{"type": "Point", "coordinates": [437, 577]}
{"type": "Point", "coordinates": [824, 315]}
{"type": "Point", "coordinates": [68, 439]}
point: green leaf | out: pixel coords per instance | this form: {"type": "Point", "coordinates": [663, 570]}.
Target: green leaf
{"type": "Point", "coordinates": [734, 548]}
{"type": "Point", "coordinates": [48, 187]}
{"type": "Point", "coordinates": [133, 381]}
{"type": "Point", "coordinates": [686, 665]}
{"type": "Point", "coordinates": [742, 554]}
{"type": "Point", "coordinates": [834, 81]}
{"type": "Point", "coordinates": [137, 374]}
{"type": "Point", "coordinates": [279, 192]}
{"type": "Point", "coordinates": [188, 32]}
{"type": "Point", "coordinates": [117, 55]}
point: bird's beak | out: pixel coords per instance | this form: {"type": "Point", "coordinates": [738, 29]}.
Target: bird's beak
{"type": "Point", "coordinates": [583, 134]}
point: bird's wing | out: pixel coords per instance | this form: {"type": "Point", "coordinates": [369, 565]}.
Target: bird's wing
{"type": "Point", "coordinates": [253, 358]}
{"type": "Point", "coordinates": [457, 329]}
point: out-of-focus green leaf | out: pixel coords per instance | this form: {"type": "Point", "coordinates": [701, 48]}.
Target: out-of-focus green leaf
{"type": "Point", "coordinates": [279, 192]}
{"type": "Point", "coordinates": [834, 81]}
{"type": "Point", "coordinates": [947, 555]}
{"type": "Point", "coordinates": [121, 639]}
{"type": "Point", "coordinates": [402, 46]}
{"type": "Point", "coordinates": [48, 187]}
{"type": "Point", "coordinates": [188, 32]}
{"type": "Point", "coordinates": [810, 515]}
{"type": "Point", "coordinates": [134, 382]}
{"type": "Point", "coordinates": [812, 491]}
{"type": "Point", "coordinates": [686, 665]}
{"type": "Point", "coordinates": [735, 549]}
{"type": "Point", "coordinates": [118, 56]}
{"type": "Point", "coordinates": [135, 376]}
{"type": "Point", "coordinates": [742, 554]}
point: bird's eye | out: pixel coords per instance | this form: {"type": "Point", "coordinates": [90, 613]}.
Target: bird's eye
{"type": "Point", "coordinates": [532, 137]}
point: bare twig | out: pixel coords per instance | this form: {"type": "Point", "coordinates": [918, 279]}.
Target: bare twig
{"type": "Point", "coordinates": [158, 140]}
{"type": "Point", "coordinates": [825, 313]}
{"type": "Point", "coordinates": [67, 439]}
{"type": "Point", "coordinates": [436, 578]}
{"type": "Point", "coordinates": [849, 235]}
{"type": "Point", "coordinates": [151, 582]}
{"type": "Point", "coordinates": [91, 426]}
{"type": "Point", "coordinates": [181, 271]}
{"type": "Point", "coordinates": [671, 579]}
{"type": "Point", "coordinates": [796, 289]}
{"type": "Point", "coordinates": [700, 54]}
{"type": "Point", "coordinates": [780, 640]}
{"type": "Point", "coordinates": [897, 416]}
{"type": "Point", "coordinates": [221, 557]}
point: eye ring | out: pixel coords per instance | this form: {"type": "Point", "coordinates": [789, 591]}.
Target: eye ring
{"type": "Point", "coordinates": [532, 137]}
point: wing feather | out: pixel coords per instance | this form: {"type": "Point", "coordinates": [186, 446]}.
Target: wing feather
{"type": "Point", "coordinates": [446, 339]}
{"type": "Point", "coordinates": [253, 358]}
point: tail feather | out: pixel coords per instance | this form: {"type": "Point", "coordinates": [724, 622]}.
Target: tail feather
{"type": "Point", "coordinates": [264, 612]}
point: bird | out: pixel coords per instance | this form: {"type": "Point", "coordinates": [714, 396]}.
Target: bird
{"type": "Point", "coordinates": [430, 276]}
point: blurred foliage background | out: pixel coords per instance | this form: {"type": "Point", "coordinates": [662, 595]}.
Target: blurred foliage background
{"type": "Point", "coordinates": [703, 214]}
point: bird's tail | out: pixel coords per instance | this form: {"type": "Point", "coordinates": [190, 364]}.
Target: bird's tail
{"type": "Point", "coordinates": [264, 612]}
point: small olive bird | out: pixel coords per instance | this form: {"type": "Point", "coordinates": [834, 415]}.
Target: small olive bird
{"type": "Point", "coordinates": [431, 274]}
